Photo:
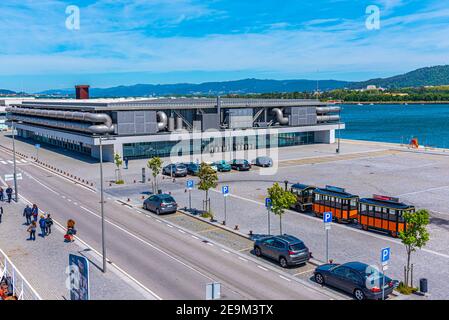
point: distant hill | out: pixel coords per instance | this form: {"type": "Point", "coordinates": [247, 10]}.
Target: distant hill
{"type": "Point", "coordinates": [212, 88]}
{"type": "Point", "coordinates": [430, 76]}
{"type": "Point", "coordinates": [5, 92]}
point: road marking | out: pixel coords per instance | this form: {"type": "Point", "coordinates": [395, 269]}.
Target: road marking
{"type": "Point", "coordinates": [195, 238]}
{"type": "Point", "coordinates": [302, 272]}
{"type": "Point", "coordinates": [210, 244]}
{"type": "Point", "coordinates": [75, 203]}
{"type": "Point", "coordinates": [181, 231]}
{"type": "Point", "coordinates": [287, 279]}
{"type": "Point", "coordinates": [69, 200]}
{"type": "Point", "coordinates": [9, 161]}
{"type": "Point", "coordinates": [170, 226]}
{"type": "Point", "coordinates": [260, 267]}
{"type": "Point", "coordinates": [4, 162]}
{"type": "Point", "coordinates": [156, 219]}
{"type": "Point", "coordinates": [99, 254]}
{"type": "Point", "coordinates": [225, 250]}
{"type": "Point", "coordinates": [243, 259]}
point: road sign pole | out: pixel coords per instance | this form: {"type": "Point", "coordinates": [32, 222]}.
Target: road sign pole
{"type": "Point", "coordinates": [190, 200]}
{"type": "Point", "coordinates": [383, 285]}
{"type": "Point", "coordinates": [269, 225]}
{"type": "Point", "coordinates": [224, 222]}
{"type": "Point", "coordinates": [327, 245]}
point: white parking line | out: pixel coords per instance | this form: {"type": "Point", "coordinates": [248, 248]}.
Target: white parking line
{"type": "Point", "coordinates": [181, 231]}
{"type": "Point", "coordinates": [287, 279]}
{"type": "Point", "coordinates": [260, 267]}
{"type": "Point", "coordinates": [170, 226]}
{"type": "Point", "coordinates": [243, 259]}
{"type": "Point", "coordinates": [225, 250]}
{"type": "Point", "coordinates": [210, 244]}
{"type": "Point", "coordinates": [195, 238]}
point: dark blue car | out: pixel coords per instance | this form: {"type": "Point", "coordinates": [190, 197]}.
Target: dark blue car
{"type": "Point", "coordinates": [356, 278]}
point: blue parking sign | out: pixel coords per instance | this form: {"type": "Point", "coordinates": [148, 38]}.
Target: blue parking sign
{"type": "Point", "coordinates": [268, 202]}
{"type": "Point", "coordinates": [327, 217]}
{"type": "Point", "coordinates": [385, 255]}
{"type": "Point", "coordinates": [190, 184]}
{"type": "Point", "coordinates": [225, 190]}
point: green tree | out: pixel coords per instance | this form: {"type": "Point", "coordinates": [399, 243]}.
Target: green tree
{"type": "Point", "coordinates": [415, 236]}
{"type": "Point", "coordinates": [118, 163]}
{"type": "Point", "coordinates": [155, 165]}
{"type": "Point", "coordinates": [208, 179]}
{"type": "Point", "coordinates": [280, 200]}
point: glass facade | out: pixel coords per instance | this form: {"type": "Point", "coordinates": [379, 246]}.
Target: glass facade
{"type": "Point", "coordinates": [140, 150]}
{"type": "Point", "coordinates": [58, 142]}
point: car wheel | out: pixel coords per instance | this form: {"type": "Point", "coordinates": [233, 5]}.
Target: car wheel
{"type": "Point", "coordinates": [145, 206]}
{"type": "Point", "coordinates": [257, 251]}
{"type": "Point", "coordinates": [283, 262]}
{"type": "Point", "coordinates": [359, 295]}
{"type": "Point", "coordinates": [319, 279]}
{"type": "Point", "coordinates": [158, 211]}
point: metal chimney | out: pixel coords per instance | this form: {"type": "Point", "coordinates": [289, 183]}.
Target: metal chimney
{"type": "Point", "coordinates": [82, 92]}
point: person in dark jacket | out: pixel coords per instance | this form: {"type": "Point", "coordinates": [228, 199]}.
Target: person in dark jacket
{"type": "Point", "coordinates": [27, 213]}
{"type": "Point", "coordinates": [2, 195]}
{"type": "Point", "coordinates": [49, 222]}
{"type": "Point", "coordinates": [35, 212]}
{"type": "Point", "coordinates": [9, 193]}
{"type": "Point", "coordinates": [43, 226]}
{"type": "Point", "coordinates": [1, 214]}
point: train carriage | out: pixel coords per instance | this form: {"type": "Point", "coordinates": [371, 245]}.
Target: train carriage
{"type": "Point", "coordinates": [343, 205]}
{"type": "Point", "coordinates": [304, 197]}
{"type": "Point", "coordinates": [383, 213]}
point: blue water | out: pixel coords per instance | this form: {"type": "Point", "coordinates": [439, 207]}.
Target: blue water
{"type": "Point", "coordinates": [397, 123]}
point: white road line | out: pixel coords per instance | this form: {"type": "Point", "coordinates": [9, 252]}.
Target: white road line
{"type": "Point", "coordinates": [156, 219]}
{"type": "Point", "coordinates": [75, 203]}
{"type": "Point", "coordinates": [422, 191]}
{"type": "Point", "coordinates": [210, 244]}
{"type": "Point", "coordinates": [225, 250]}
{"type": "Point", "coordinates": [260, 267]}
{"type": "Point", "coordinates": [281, 276]}
{"type": "Point", "coordinates": [4, 162]}
{"type": "Point", "coordinates": [149, 244]}
{"type": "Point", "coordinates": [170, 226]}
{"type": "Point", "coordinates": [99, 254]}
{"type": "Point", "coordinates": [181, 231]}
{"type": "Point", "coordinates": [9, 161]}
{"type": "Point", "coordinates": [69, 200]}
{"type": "Point", "coordinates": [243, 259]}
{"type": "Point", "coordinates": [195, 238]}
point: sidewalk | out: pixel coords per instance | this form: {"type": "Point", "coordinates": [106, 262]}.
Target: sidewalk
{"type": "Point", "coordinates": [44, 262]}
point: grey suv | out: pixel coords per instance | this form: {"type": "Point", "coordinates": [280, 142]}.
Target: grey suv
{"type": "Point", "coordinates": [160, 203]}
{"type": "Point", "coordinates": [287, 250]}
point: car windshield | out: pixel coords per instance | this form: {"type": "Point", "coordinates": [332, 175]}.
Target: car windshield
{"type": "Point", "coordinates": [167, 200]}
{"type": "Point", "coordinates": [180, 166]}
{"type": "Point", "coordinates": [240, 161]}
{"type": "Point", "coordinates": [297, 246]}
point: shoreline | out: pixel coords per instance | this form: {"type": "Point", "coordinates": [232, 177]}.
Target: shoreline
{"type": "Point", "coordinates": [391, 102]}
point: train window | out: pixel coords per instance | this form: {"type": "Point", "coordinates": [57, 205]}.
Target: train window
{"type": "Point", "coordinates": [353, 203]}
{"type": "Point", "coordinates": [378, 212]}
{"type": "Point", "coordinates": [392, 215]}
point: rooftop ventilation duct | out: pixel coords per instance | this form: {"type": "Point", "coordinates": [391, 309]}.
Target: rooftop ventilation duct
{"type": "Point", "coordinates": [280, 116]}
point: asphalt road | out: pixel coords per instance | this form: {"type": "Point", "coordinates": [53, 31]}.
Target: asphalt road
{"type": "Point", "coordinates": [167, 261]}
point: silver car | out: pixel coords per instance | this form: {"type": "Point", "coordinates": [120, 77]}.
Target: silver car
{"type": "Point", "coordinates": [175, 170]}
{"type": "Point", "coordinates": [160, 203]}
{"type": "Point", "coordinates": [263, 162]}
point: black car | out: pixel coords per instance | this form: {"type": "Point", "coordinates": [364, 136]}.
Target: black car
{"type": "Point", "coordinates": [240, 165]}
{"type": "Point", "coordinates": [287, 250]}
{"type": "Point", "coordinates": [192, 168]}
{"type": "Point", "coordinates": [357, 278]}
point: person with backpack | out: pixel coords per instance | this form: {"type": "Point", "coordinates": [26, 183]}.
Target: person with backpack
{"type": "Point", "coordinates": [43, 226]}
{"type": "Point", "coordinates": [9, 193]}
{"type": "Point", "coordinates": [32, 230]}
{"type": "Point", "coordinates": [35, 212]}
{"type": "Point", "coordinates": [2, 195]}
{"type": "Point", "coordinates": [49, 222]}
{"type": "Point", "coordinates": [71, 231]}
{"type": "Point", "coordinates": [27, 213]}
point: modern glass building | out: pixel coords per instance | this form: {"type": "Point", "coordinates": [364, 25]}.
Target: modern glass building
{"type": "Point", "coordinates": [143, 128]}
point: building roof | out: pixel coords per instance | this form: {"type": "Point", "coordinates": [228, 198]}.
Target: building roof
{"type": "Point", "coordinates": [166, 103]}
{"type": "Point", "coordinates": [386, 203]}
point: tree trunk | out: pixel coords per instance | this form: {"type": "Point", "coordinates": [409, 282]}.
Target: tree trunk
{"type": "Point", "coordinates": [280, 224]}
{"type": "Point", "coordinates": [407, 273]}
{"type": "Point", "coordinates": [207, 198]}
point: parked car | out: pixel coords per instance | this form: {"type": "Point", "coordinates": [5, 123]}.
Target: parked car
{"type": "Point", "coordinates": [213, 166]}
{"type": "Point", "coordinates": [287, 250]}
{"type": "Point", "coordinates": [222, 166]}
{"type": "Point", "coordinates": [175, 170]}
{"type": "Point", "coordinates": [263, 162]}
{"type": "Point", "coordinates": [240, 165]}
{"type": "Point", "coordinates": [192, 168]}
{"type": "Point", "coordinates": [356, 278]}
{"type": "Point", "coordinates": [160, 203]}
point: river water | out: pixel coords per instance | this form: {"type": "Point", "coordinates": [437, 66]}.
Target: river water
{"type": "Point", "coordinates": [398, 123]}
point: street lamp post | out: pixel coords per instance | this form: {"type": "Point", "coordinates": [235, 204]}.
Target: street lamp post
{"type": "Point", "coordinates": [338, 139]}
{"type": "Point", "coordinates": [14, 160]}
{"type": "Point", "coordinates": [102, 207]}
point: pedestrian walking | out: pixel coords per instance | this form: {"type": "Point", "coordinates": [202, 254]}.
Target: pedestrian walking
{"type": "Point", "coordinates": [49, 221]}
{"type": "Point", "coordinates": [2, 195]}
{"type": "Point", "coordinates": [126, 162]}
{"type": "Point", "coordinates": [32, 230]}
{"type": "Point", "coordinates": [27, 213]}
{"type": "Point", "coordinates": [9, 193]}
{"type": "Point", "coordinates": [43, 226]}
{"type": "Point", "coordinates": [35, 212]}
{"type": "Point", "coordinates": [1, 214]}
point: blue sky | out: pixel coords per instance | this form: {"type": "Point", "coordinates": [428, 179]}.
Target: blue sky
{"type": "Point", "coordinates": [166, 41]}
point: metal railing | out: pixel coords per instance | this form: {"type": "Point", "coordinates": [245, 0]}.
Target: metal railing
{"type": "Point", "coordinates": [20, 287]}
